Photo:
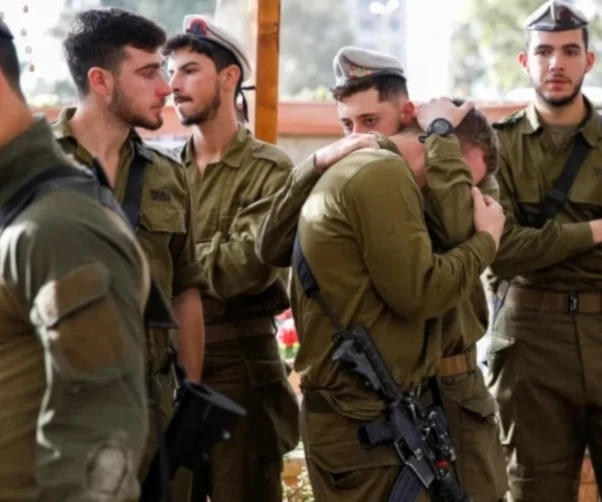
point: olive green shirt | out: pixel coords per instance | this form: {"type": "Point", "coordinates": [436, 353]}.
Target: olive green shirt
{"type": "Point", "coordinates": [166, 229]}
{"type": "Point", "coordinates": [231, 198]}
{"type": "Point", "coordinates": [72, 290]}
{"type": "Point", "coordinates": [363, 233]}
{"type": "Point", "coordinates": [449, 216]}
{"type": "Point", "coordinates": [561, 255]}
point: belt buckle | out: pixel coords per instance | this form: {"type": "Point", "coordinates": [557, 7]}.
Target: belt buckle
{"type": "Point", "coordinates": [573, 303]}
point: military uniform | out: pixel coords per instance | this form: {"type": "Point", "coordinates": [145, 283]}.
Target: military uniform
{"type": "Point", "coordinates": [378, 272]}
{"type": "Point", "coordinates": [240, 297]}
{"type": "Point", "coordinates": [468, 404]}
{"type": "Point", "coordinates": [544, 355]}
{"type": "Point", "coordinates": [166, 234]}
{"type": "Point", "coordinates": [74, 284]}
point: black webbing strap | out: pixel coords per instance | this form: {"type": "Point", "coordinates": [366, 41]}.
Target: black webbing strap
{"type": "Point", "coordinates": [132, 199]}
{"type": "Point", "coordinates": [556, 196]}
{"type": "Point", "coordinates": [310, 285]}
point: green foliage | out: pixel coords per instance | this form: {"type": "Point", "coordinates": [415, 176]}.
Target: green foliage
{"type": "Point", "coordinates": [169, 14]}
{"type": "Point", "coordinates": [486, 44]}
{"type": "Point", "coordinates": [312, 31]}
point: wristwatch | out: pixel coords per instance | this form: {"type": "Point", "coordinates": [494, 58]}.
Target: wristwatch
{"type": "Point", "coordinates": [440, 126]}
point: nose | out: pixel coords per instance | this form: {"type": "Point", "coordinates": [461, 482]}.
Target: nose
{"type": "Point", "coordinates": [164, 88]}
{"type": "Point", "coordinates": [557, 62]}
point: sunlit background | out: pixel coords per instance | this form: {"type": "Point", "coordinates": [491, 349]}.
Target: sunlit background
{"type": "Point", "coordinates": [453, 47]}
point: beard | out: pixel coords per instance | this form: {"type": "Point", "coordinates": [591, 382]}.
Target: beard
{"type": "Point", "coordinates": [202, 115]}
{"type": "Point", "coordinates": [122, 107]}
{"type": "Point", "coordinates": [562, 101]}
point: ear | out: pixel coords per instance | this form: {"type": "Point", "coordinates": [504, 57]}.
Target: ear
{"type": "Point", "coordinates": [101, 81]}
{"type": "Point", "coordinates": [3, 83]}
{"type": "Point", "coordinates": [230, 76]}
{"type": "Point", "coordinates": [523, 60]}
{"type": "Point", "coordinates": [407, 110]}
{"type": "Point", "coordinates": [590, 58]}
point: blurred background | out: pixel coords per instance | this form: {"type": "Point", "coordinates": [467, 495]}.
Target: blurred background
{"type": "Point", "coordinates": [465, 48]}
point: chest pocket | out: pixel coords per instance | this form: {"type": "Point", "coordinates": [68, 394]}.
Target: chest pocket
{"type": "Point", "coordinates": [163, 217]}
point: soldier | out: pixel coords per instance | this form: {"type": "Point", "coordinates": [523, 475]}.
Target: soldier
{"type": "Point", "coordinates": [235, 177]}
{"type": "Point", "coordinates": [545, 350]}
{"type": "Point", "coordinates": [74, 285]}
{"type": "Point", "coordinates": [371, 93]}
{"type": "Point", "coordinates": [381, 272]}
{"type": "Point", "coordinates": [114, 59]}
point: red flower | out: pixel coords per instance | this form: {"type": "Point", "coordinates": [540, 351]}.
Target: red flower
{"type": "Point", "coordinates": [287, 336]}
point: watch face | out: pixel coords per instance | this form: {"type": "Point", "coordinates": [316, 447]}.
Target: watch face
{"type": "Point", "coordinates": [442, 126]}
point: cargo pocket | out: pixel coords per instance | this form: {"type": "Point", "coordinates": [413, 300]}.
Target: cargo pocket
{"type": "Point", "coordinates": [500, 379]}
{"type": "Point", "coordinates": [335, 450]}
{"type": "Point", "coordinates": [482, 466]}
{"type": "Point", "coordinates": [79, 324]}
{"type": "Point", "coordinates": [273, 406]}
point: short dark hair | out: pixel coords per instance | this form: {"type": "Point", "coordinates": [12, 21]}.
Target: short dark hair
{"type": "Point", "coordinates": [584, 32]}
{"type": "Point", "coordinates": [389, 87]}
{"type": "Point", "coordinates": [99, 37]}
{"type": "Point", "coordinates": [474, 131]}
{"type": "Point", "coordinates": [221, 57]}
{"type": "Point", "coordinates": [9, 63]}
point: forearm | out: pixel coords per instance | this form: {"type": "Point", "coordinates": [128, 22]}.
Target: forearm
{"type": "Point", "coordinates": [276, 234]}
{"type": "Point", "coordinates": [448, 202]}
{"type": "Point", "coordinates": [188, 309]}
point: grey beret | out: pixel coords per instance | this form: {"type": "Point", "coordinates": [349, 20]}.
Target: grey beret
{"type": "Point", "coordinates": [353, 63]}
{"type": "Point", "coordinates": [556, 15]}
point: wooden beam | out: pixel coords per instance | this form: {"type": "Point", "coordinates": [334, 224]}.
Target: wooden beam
{"type": "Point", "coordinates": [265, 50]}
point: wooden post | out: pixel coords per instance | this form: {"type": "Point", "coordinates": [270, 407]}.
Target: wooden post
{"type": "Point", "coordinates": [265, 50]}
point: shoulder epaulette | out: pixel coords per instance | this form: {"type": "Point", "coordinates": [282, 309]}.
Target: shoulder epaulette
{"type": "Point", "coordinates": [509, 120]}
{"type": "Point", "coordinates": [267, 151]}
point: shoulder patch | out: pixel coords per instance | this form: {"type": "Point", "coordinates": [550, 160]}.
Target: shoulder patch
{"type": "Point", "coordinates": [172, 154]}
{"type": "Point", "coordinates": [273, 153]}
{"type": "Point", "coordinates": [509, 120]}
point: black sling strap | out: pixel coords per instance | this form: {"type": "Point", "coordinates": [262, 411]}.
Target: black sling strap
{"type": "Point", "coordinates": [556, 196]}
{"type": "Point", "coordinates": [132, 199]}
{"type": "Point", "coordinates": [310, 285]}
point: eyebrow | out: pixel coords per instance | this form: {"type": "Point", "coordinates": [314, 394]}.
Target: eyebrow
{"type": "Point", "coordinates": [188, 65]}
{"type": "Point", "coordinates": [149, 66]}
{"type": "Point", "coordinates": [566, 46]}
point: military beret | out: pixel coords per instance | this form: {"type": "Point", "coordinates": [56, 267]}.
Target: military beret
{"type": "Point", "coordinates": [352, 63]}
{"type": "Point", "coordinates": [204, 29]}
{"type": "Point", "coordinates": [5, 30]}
{"type": "Point", "coordinates": [556, 15]}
